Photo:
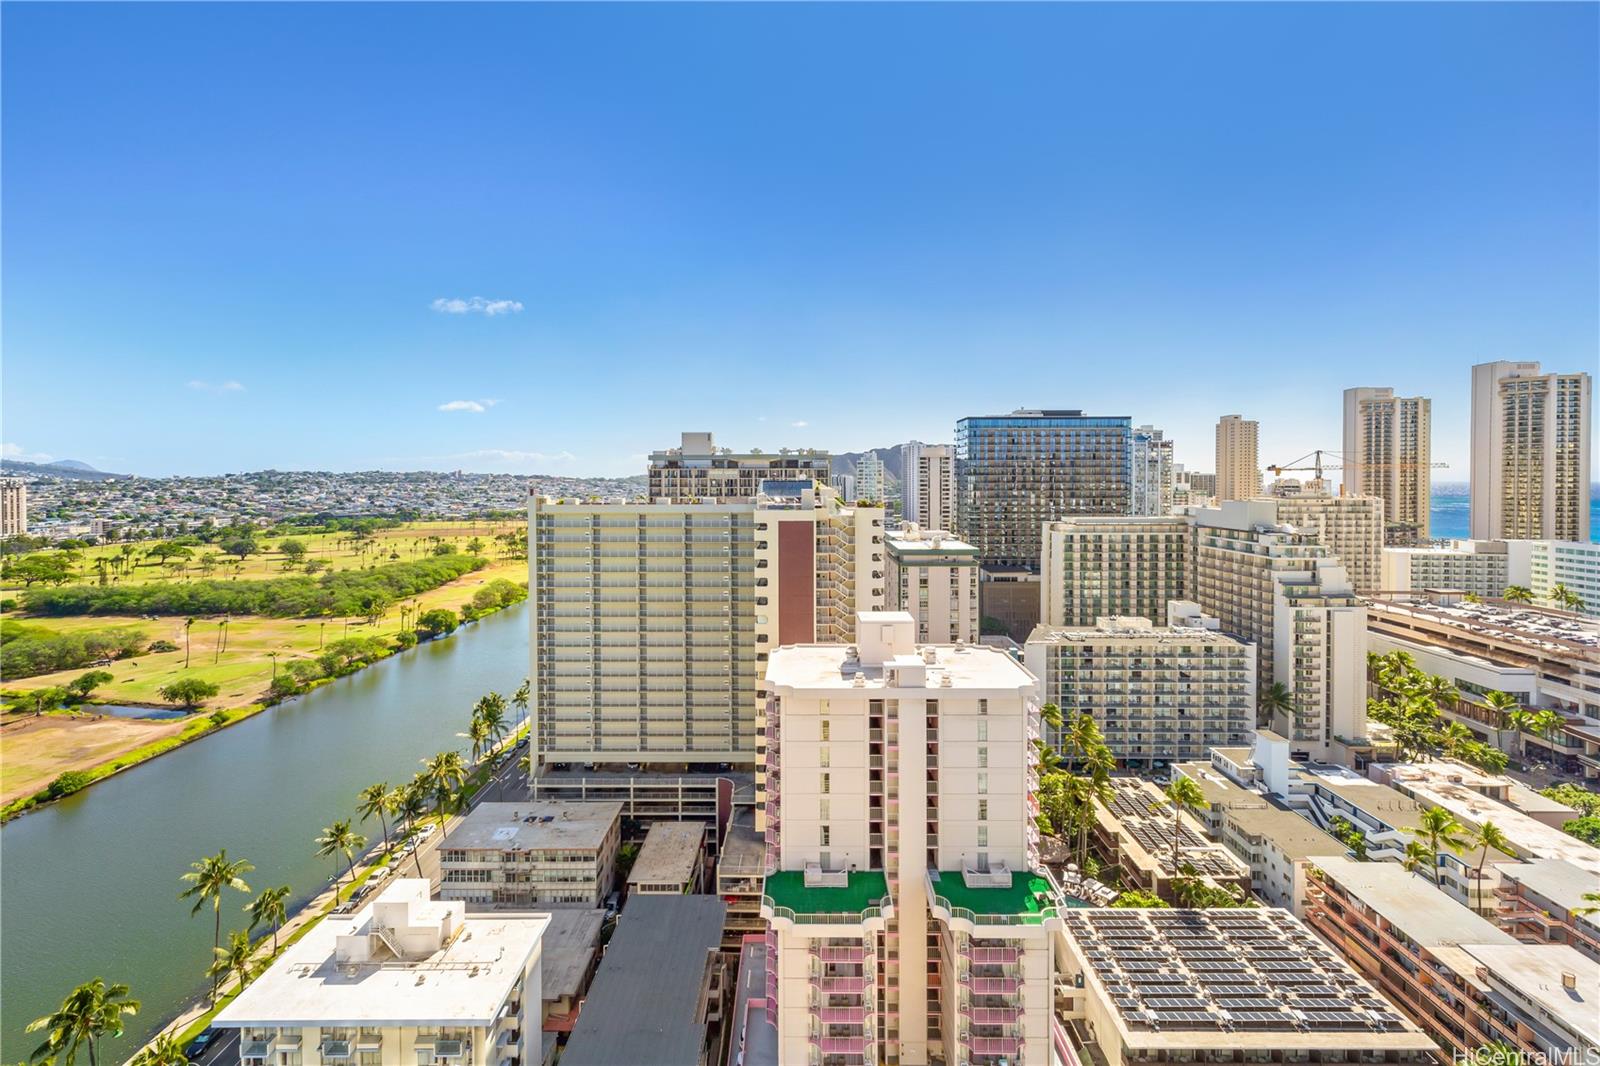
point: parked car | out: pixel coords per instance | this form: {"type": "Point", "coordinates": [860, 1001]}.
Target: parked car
{"type": "Point", "coordinates": [197, 1047]}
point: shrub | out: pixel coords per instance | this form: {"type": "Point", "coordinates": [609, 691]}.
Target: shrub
{"type": "Point", "coordinates": [218, 718]}
{"type": "Point", "coordinates": [68, 783]}
{"type": "Point", "coordinates": [437, 621]}
{"type": "Point", "coordinates": [283, 686]}
{"type": "Point", "coordinates": [405, 639]}
{"type": "Point", "coordinates": [161, 645]}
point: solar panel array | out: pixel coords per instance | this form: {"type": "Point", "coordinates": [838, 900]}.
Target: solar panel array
{"type": "Point", "coordinates": [1131, 804]}
{"type": "Point", "coordinates": [1226, 970]}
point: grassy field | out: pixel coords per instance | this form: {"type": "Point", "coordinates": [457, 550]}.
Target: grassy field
{"type": "Point", "coordinates": [34, 754]}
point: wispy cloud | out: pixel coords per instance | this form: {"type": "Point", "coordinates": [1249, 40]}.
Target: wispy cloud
{"type": "Point", "coordinates": [216, 387]}
{"type": "Point", "coordinates": [512, 456]}
{"type": "Point", "coordinates": [477, 407]}
{"type": "Point", "coordinates": [476, 305]}
{"type": "Point", "coordinates": [800, 425]}
{"type": "Point", "coordinates": [10, 450]}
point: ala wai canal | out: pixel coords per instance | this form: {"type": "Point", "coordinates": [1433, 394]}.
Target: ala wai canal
{"type": "Point", "coordinates": [90, 884]}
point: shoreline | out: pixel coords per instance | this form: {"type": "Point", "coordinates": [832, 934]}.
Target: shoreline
{"type": "Point", "coordinates": [197, 725]}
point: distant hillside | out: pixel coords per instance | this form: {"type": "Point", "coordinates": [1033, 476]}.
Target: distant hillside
{"type": "Point", "coordinates": [845, 463]}
{"type": "Point", "coordinates": [66, 468]}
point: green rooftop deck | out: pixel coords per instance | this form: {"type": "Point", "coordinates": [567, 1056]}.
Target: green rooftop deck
{"type": "Point", "coordinates": [863, 891]}
{"type": "Point", "coordinates": [1026, 901]}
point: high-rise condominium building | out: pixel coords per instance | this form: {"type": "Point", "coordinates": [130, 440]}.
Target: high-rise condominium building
{"type": "Point", "coordinates": [1202, 485]}
{"type": "Point", "coordinates": [1271, 585]}
{"type": "Point", "coordinates": [1238, 460]}
{"type": "Point", "coordinates": [910, 454]}
{"type": "Point", "coordinates": [650, 623]}
{"type": "Point", "coordinates": [929, 487]}
{"type": "Point", "coordinates": [1387, 453]}
{"type": "Point", "coordinates": [1160, 694]}
{"type": "Point", "coordinates": [1153, 472]}
{"type": "Point", "coordinates": [1016, 472]}
{"type": "Point", "coordinates": [909, 920]}
{"type": "Point", "coordinates": [697, 469]}
{"type": "Point", "coordinates": [13, 507]}
{"type": "Point", "coordinates": [934, 577]}
{"type": "Point", "coordinates": [1530, 453]}
{"type": "Point", "coordinates": [1095, 567]}
{"type": "Point", "coordinates": [871, 478]}
{"type": "Point", "coordinates": [1350, 527]}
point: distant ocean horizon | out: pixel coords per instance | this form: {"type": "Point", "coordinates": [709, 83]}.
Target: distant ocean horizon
{"type": "Point", "coordinates": [1451, 511]}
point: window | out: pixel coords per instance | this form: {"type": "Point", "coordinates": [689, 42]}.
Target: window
{"type": "Point", "coordinates": [825, 724]}
{"type": "Point", "coordinates": [983, 729]}
{"type": "Point", "coordinates": [983, 836]}
{"type": "Point", "coordinates": [826, 784]}
{"type": "Point", "coordinates": [983, 810]}
{"type": "Point", "coordinates": [983, 706]}
{"type": "Point", "coordinates": [983, 757]}
{"type": "Point", "coordinates": [983, 783]}
{"type": "Point", "coordinates": [827, 835]}
{"type": "Point", "coordinates": [822, 757]}
{"type": "Point", "coordinates": [822, 809]}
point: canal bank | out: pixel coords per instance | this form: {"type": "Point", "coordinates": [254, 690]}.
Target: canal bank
{"type": "Point", "coordinates": [91, 883]}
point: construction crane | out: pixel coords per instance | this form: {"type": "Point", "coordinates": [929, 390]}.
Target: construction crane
{"type": "Point", "coordinates": [1318, 466]}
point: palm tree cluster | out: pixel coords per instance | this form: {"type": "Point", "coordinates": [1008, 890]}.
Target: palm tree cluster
{"type": "Point", "coordinates": [1559, 596]}
{"type": "Point", "coordinates": [1438, 831]}
{"type": "Point", "coordinates": [1413, 707]}
{"type": "Point", "coordinates": [1067, 795]}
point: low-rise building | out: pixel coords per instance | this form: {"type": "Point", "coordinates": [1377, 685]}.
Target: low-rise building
{"type": "Point", "coordinates": [1135, 830]}
{"type": "Point", "coordinates": [1463, 980]}
{"type": "Point", "coordinates": [1249, 985]}
{"type": "Point", "coordinates": [532, 852]}
{"type": "Point", "coordinates": [571, 949]}
{"type": "Point", "coordinates": [403, 980]}
{"type": "Point", "coordinates": [1481, 567]}
{"type": "Point", "coordinates": [672, 860]}
{"type": "Point", "coordinates": [741, 865]}
{"type": "Point", "coordinates": [1544, 901]}
{"type": "Point", "coordinates": [1159, 694]}
{"type": "Point", "coordinates": [662, 991]}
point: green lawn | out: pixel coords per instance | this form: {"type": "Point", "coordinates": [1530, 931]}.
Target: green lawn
{"type": "Point", "coordinates": [1021, 898]}
{"type": "Point", "coordinates": [865, 888]}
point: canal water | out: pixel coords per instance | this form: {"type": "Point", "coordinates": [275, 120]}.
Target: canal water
{"type": "Point", "coordinates": [89, 886]}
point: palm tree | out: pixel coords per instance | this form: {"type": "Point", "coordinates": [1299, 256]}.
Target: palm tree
{"type": "Point", "coordinates": [1497, 1053]}
{"type": "Point", "coordinates": [491, 711]}
{"type": "Point", "coordinates": [165, 1050]}
{"type": "Point", "coordinates": [1503, 704]}
{"type": "Point", "coordinates": [1438, 828]}
{"type": "Point", "coordinates": [233, 959]}
{"type": "Point", "coordinates": [92, 1010]}
{"type": "Point", "coordinates": [1439, 691]}
{"type": "Point", "coordinates": [1453, 737]}
{"type": "Point", "coordinates": [1417, 856]}
{"type": "Point", "coordinates": [1517, 594]}
{"type": "Point", "coordinates": [188, 624]}
{"type": "Point", "coordinates": [207, 880]}
{"type": "Point", "coordinates": [1486, 836]}
{"type": "Point", "coordinates": [1050, 714]}
{"type": "Point", "coordinates": [337, 839]}
{"type": "Point", "coordinates": [521, 697]}
{"type": "Point", "coordinates": [271, 907]}
{"type": "Point", "coordinates": [409, 802]}
{"type": "Point", "coordinates": [478, 733]}
{"type": "Point", "coordinates": [374, 799]}
{"type": "Point", "coordinates": [443, 774]}
{"type": "Point", "coordinates": [1274, 699]}
{"type": "Point", "coordinates": [1546, 722]}
{"type": "Point", "coordinates": [1182, 794]}
{"type": "Point", "coordinates": [1563, 596]}
{"type": "Point", "coordinates": [1589, 898]}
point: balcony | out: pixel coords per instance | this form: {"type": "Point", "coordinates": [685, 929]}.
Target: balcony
{"type": "Point", "coordinates": [994, 986]}
{"type": "Point", "coordinates": [840, 1045]}
{"type": "Point", "coordinates": [1004, 956]}
{"type": "Point", "coordinates": [1009, 1046]}
{"type": "Point", "coordinates": [335, 1050]}
{"type": "Point", "coordinates": [842, 986]}
{"type": "Point", "coordinates": [256, 1052]}
{"type": "Point", "coordinates": [992, 1015]}
{"type": "Point", "coordinates": [852, 955]}
{"type": "Point", "coordinates": [840, 1015]}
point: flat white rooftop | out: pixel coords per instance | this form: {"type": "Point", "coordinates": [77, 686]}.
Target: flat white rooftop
{"type": "Point", "coordinates": [1432, 786]}
{"type": "Point", "coordinates": [1131, 631]}
{"type": "Point", "coordinates": [830, 666]}
{"type": "Point", "coordinates": [536, 825]}
{"type": "Point", "coordinates": [668, 854]}
{"type": "Point", "coordinates": [1535, 971]}
{"type": "Point", "coordinates": [463, 984]}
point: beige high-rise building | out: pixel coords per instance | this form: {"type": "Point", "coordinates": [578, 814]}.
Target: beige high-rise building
{"type": "Point", "coordinates": [1387, 453]}
{"type": "Point", "coordinates": [934, 577]}
{"type": "Point", "coordinates": [697, 469]}
{"type": "Point", "coordinates": [931, 483]}
{"type": "Point", "coordinates": [1238, 459]}
{"type": "Point", "coordinates": [1350, 527]}
{"type": "Point", "coordinates": [910, 919]}
{"type": "Point", "coordinates": [1273, 586]}
{"type": "Point", "coordinates": [13, 507]}
{"type": "Point", "coordinates": [1530, 453]}
{"type": "Point", "coordinates": [872, 480]}
{"type": "Point", "coordinates": [651, 623]}
{"type": "Point", "coordinates": [1096, 567]}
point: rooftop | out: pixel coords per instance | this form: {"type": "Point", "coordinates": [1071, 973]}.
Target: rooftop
{"type": "Point", "coordinates": [1029, 897]}
{"type": "Point", "coordinates": [1130, 631]}
{"type": "Point", "coordinates": [462, 983]}
{"type": "Point", "coordinates": [743, 849]}
{"type": "Point", "coordinates": [1431, 784]}
{"type": "Point", "coordinates": [531, 825]}
{"type": "Point", "coordinates": [832, 666]}
{"type": "Point", "coordinates": [1534, 971]}
{"type": "Point", "coordinates": [644, 1004]}
{"type": "Point", "coordinates": [933, 541]}
{"type": "Point", "coordinates": [1379, 801]}
{"type": "Point", "coordinates": [1217, 789]}
{"type": "Point", "coordinates": [1537, 627]}
{"type": "Point", "coordinates": [1419, 910]}
{"type": "Point", "coordinates": [1232, 978]}
{"type": "Point", "coordinates": [1557, 880]}
{"type": "Point", "coordinates": [862, 889]}
{"type": "Point", "coordinates": [570, 942]}
{"type": "Point", "coordinates": [1138, 813]}
{"type": "Point", "coordinates": [669, 854]}
{"type": "Point", "coordinates": [1291, 833]}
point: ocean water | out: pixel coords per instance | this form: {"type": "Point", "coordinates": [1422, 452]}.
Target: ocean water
{"type": "Point", "coordinates": [1451, 511]}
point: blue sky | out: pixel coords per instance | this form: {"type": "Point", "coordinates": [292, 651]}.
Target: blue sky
{"type": "Point", "coordinates": [229, 230]}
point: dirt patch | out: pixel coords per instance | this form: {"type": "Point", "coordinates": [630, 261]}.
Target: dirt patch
{"type": "Point", "coordinates": [35, 750]}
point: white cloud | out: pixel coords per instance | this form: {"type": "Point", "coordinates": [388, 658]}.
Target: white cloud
{"type": "Point", "coordinates": [800, 425]}
{"type": "Point", "coordinates": [477, 305]}
{"type": "Point", "coordinates": [219, 387]}
{"type": "Point", "coordinates": [10, 450]}
{"type": "Point", "coordinates": [477, 407]}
